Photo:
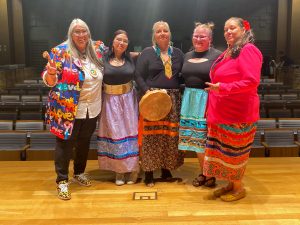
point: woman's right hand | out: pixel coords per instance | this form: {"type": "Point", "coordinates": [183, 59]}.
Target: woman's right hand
{"type": "Point", "coordinates": [212, 87]}
{"type": "Point", "coordinates": [51, 65]}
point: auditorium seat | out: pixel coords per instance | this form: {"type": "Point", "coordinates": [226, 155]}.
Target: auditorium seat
{"type": "Point", "coordinates": [10, 98]}
{"type": "Point", "coordinates": [294, 106]}
{"type": "Point", "coordinates": [8, 115]}
{"type": "Point", "coordinates": [30, 115]}
{"type": "Point", "coordinates": [280, 142]}
{"type": "Point", "coordinates": [257, 150]}
{"type": "Point", "coordinates": [6, 124]}
{"type": "Point", "coordinates": [30, 98]}
{"type": "Point", "coordinates": [28, 81]}
{"type": "Point", "coordinates": [277, 113]}
{"type": "Point", "coordinates": [41, 146]}
{"type": "Point", "coordinates": [289, 123]}
{"type": "Point", "coordinates": [289, 96]}
{"type": "Point", "coordinates": [266, 123]}
{"type": "Point", "coordinates": [272, 97]}
{"type": "Point", "coordinates": [44, 99]}
{"type": "Point", "coordinates": [30, 125]}
{"type": "Point", "coordinates": [12, 144]}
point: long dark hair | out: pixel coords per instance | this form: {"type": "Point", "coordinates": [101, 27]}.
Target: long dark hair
{"type": "Point", "coordinates": [111, 53]}
{"type": "Point", "coordinates": [248, 37]}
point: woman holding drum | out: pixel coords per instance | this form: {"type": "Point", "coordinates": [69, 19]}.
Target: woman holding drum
{"type": "Point", "coordinates": [158, 69]}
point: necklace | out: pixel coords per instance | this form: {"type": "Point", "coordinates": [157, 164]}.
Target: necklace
{"type": "Point", "coordinates": [117, 62]}
{"type": "Point", "coordinates": [89, 68]}
{"type": "Point", "coordinates": [166, 58]}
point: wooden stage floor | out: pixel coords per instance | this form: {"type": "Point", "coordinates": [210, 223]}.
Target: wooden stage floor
{"type": "Point", "coordinates": [28, 196]}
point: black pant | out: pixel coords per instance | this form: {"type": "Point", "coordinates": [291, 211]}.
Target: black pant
{"type": "Point", "coordinates": [80, 142]}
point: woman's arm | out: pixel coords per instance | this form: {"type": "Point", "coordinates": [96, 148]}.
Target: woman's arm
{"type": "Point", "coordinates": [249, 64]}
{"type": "Point", "coordinates": [141, 72]}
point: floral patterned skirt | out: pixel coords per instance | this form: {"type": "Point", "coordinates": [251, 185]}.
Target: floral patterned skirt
{"type": "Point", "coordinates": [227, 150]}
{"type": "Point", "coordinates": [160, 139]}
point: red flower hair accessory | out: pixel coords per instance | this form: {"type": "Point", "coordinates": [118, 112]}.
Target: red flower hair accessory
{"type": "Point", "coordinates": [246, 25]}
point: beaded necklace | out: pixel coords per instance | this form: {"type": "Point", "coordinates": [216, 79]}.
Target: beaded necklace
{"type": "Point", "coordinates": [167, 63]}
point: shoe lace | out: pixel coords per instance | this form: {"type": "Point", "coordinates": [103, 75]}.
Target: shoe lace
{"type": "Point", "coordinates": [63, 187]}
{"type": "Point", "coordinates": [83, 176]}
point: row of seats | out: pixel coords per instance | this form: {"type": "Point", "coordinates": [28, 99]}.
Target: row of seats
{"type": "Point", "coordinates": [279, 142]}
{"type": "Point", "coordinates": [23, 98]}
{"type": "Point", "coordinates": [29, 86]}
{"type": "Point", "coordinates": [22, 125]}
{"type": "Point", "coordinates": [22, 107]}
{"type": "Point", "coordinates": [34, 145]}
{"type": "Point", "coordinates": [266, 112]}
{"type": "Point", "coordinates": [40, 145]}
{"type": "Point", "coordinates": [27, 112]}
{"type": "Point", "coordinates": [279, 96]}
{"type": "Point", "coordinates": [271, 123]}
{"type": "Point", "coordinates": [264, 123]}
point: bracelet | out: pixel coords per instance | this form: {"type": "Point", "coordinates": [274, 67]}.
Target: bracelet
{"type": "Point", "coordinates": [51, 74]}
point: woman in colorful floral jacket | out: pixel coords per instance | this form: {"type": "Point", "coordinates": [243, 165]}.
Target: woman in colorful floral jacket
{"type": "Point", "coordinates": [74, 72]}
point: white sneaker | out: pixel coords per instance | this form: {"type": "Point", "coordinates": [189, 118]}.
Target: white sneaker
{"type": "Point", "coordinates": [133, 176]}
{"type": "Point", "coordinates": [120, 179]}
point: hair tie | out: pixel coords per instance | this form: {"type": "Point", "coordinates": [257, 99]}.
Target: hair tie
{"type": "Point", "coordinates": [246, 25]}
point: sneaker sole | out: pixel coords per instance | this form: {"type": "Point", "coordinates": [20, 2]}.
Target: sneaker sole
{"type": "Point", "coordinates": [65, 199]}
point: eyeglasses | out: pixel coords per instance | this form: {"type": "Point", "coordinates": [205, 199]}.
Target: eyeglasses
{"type": "Point", "coordinates": [80, 33]}
{"type": "Point", "coordinates": [125, 41]}
{"type": "Point", "coordinates": [199, 37]}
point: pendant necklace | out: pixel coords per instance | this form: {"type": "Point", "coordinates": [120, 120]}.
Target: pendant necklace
{"type": "Point", "coordinates": [89, 67]}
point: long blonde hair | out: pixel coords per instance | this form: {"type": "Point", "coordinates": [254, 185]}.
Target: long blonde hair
{"type": "Point", "coordinates": [90, 51]}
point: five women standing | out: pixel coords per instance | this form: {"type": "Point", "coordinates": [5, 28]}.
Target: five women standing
{"type": "Point", "coordinates": [233, 105]}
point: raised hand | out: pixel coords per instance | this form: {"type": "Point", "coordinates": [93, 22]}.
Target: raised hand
{"type": "Point", "coordinates": [51, 65]}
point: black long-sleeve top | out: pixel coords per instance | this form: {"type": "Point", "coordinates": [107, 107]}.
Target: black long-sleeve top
{"type": "Point", "coordinates": [150, 71]}
{"type": "Point", "coordinates": [196, 74]}
{"type": "Point", "coordinates": [115, 75]}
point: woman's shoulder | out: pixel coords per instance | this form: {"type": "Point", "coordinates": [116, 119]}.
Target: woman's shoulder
{"type": "Point", "coordinates": [60, 51]}
{"type": "Point", "coordinates": [215, 51]}
{"type": "Point", "coordinates": [100, 47]}
{"type": "Point", "coordinates": [61, 46]}
{"type": "Point", "coordinates": [177, 50]}
{"type": "Point", "coordinates": [148, 49]}
{"type": "Point", "coordinates": [250, 48]}
{"type": "Point", "coordinates": [147, 53]}
{"type": "Point", "coordinates": [189, 54]}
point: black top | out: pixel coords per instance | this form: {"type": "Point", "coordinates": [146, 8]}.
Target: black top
{"type": "Point", "coordinates": [150, 71]}
{"type": "Point", "coordinates": [115, 75]}
{"type": "Point", "coordinates": [196, 74]}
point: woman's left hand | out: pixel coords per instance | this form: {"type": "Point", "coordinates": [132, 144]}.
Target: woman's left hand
{"type": "Point", "coordinates": [212, 87]}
